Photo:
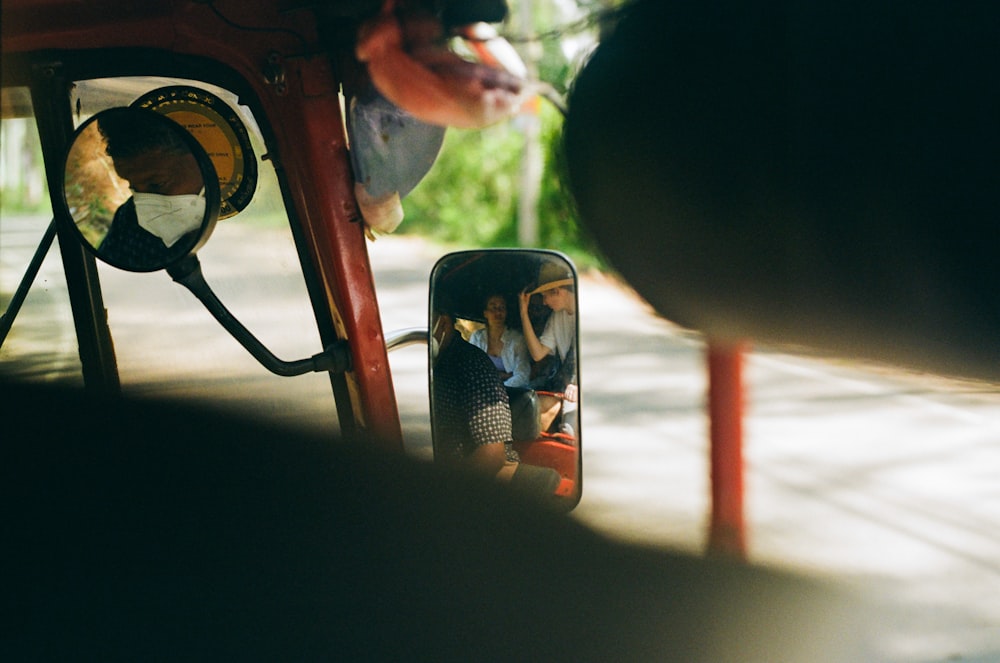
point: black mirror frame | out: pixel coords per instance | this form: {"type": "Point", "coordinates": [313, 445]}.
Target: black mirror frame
{"type": "Point", "coordinates": [530, 260]}
{"type": "Point", "coordinates": [209, 178]}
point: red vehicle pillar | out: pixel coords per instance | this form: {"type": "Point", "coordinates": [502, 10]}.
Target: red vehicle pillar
{"type": "Point", "coordinates": [727, 533]}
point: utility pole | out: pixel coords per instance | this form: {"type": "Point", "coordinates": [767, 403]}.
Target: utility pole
{"type": "Point", "coordinates": [531, 156]}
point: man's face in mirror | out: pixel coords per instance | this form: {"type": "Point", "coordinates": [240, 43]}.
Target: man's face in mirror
{"type": "Point", "coordinates": [557, 299]}
{"type": "Point", "coordinates": [164, 172]}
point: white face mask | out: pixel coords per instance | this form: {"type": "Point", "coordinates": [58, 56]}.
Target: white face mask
{"type": "Point", "coordinates": [169, 217]}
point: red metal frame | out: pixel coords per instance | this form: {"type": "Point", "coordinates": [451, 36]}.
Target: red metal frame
{"type": "Point", "coordinates": [300, 99]}
{"type": "Point", "coordinates": [727, 532]}
{"type": "Point", "coordinates": [304, 113]}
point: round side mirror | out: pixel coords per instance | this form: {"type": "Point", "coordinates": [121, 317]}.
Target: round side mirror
{"type": "Point", "coordinates": [140, 190]}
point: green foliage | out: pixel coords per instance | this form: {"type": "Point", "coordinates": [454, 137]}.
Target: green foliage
{"type": "Point", "coordinates": [470, 192]}
{"type": "Point", "coordinates": [23, 191]}
{"type": "Point", "coordinates": [555, 206]}
{"type": "Point", "coordinates": [470, 196]}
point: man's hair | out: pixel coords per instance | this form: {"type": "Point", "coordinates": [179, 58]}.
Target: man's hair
{"type": "Point", "coordinates": [444, 303]}
{"type": "Point", "coordinates": [128, 132]}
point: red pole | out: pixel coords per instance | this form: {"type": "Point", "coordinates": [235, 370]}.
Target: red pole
{"type": "Point", "coordinates": [727, 534]}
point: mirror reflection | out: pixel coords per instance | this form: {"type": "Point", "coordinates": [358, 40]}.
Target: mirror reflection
{"type": "Point", "coordinates": [504, 384]}
{"type": "Point", "coordinates": [141, 191]}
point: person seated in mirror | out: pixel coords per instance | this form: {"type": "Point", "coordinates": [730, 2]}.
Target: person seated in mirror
{"type": "Point", "coordinates": [152, 228]}
{"type": "Point", "coordinates": [502, 344]}
{"type": "Point", "coordinates": [472, 421]}
{"type": "Point", "coordinates": [558, 341]}
{"type": "Point", "coordinates": [471, 409]}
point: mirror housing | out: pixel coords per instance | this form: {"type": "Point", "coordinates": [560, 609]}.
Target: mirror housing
{"type": "Point", "coordinates": [140, 190]}
{"type": "Point", "coordinates": [504, 381]}
{"type": "Point", "coordinates": [142, 195]}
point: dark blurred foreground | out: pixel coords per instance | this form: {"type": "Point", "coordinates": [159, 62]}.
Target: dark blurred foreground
{"type": "Point", "coordinates": [143, 531]}
{"type": "Point", "coordinates": [802, 173]}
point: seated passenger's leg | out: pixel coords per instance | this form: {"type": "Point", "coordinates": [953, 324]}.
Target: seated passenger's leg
{"type": "Point", "coordinates": [549, 407]}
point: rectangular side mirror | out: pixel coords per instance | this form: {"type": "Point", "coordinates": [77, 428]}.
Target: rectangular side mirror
{"type": "Point", "coordinates": [504, 368]}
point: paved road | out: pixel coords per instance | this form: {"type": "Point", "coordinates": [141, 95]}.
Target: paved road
{"type": "Point", "coordinates": [882, 479]}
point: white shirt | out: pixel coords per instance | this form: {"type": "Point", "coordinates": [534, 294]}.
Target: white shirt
{"type": "Point", "coordinates": [560, 333]}
{"type": "Point", "coordinates": [514, 355]}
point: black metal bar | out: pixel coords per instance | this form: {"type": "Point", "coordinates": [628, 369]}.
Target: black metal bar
{"type": "Point", "coordinates": [50, 97]}
{"type": "Point", "coordinates": [336, 359]}
{"type": "Point", "coordinates": [343, 400]}
{"type": "Point", "coordinates": [7, 319]}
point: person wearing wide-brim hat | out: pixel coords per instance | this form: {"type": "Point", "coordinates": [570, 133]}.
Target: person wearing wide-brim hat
{"type": "Point", "coordinates": [552, 276]}
{"type": "Point", "coordinates": [556, 285]}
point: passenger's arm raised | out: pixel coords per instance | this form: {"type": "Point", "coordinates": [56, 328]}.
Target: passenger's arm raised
{"type": "Point", "coordinates": [537, 351]}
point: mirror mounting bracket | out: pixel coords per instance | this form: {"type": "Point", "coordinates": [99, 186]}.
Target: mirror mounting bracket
{"type": "Point", "coordinates": [404, 337]}
{"type": "Point", "coordinates": [336, 358]}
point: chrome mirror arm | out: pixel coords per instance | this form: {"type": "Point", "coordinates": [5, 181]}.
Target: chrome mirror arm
{"type": "Point", "coordinates": [401, 338]}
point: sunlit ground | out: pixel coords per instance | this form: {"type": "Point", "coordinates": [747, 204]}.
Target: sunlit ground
{"type": "Point", "coordinates": [882, 479]}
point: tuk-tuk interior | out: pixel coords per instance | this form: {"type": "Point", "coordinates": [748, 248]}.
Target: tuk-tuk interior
{"type": "Point", "coordinates": [401, 541]}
